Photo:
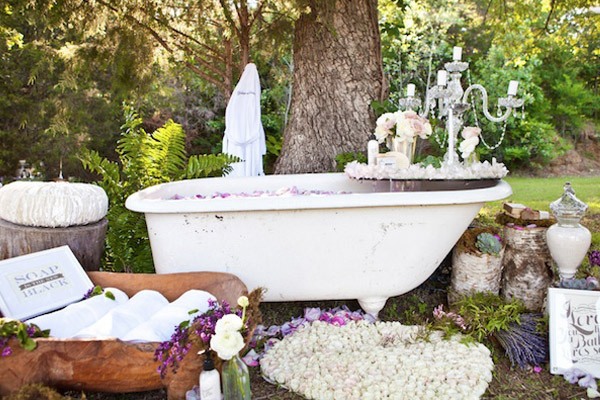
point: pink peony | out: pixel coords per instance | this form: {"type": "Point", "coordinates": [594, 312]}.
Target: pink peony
{"type": "Point", "coordinates": [470, 132]}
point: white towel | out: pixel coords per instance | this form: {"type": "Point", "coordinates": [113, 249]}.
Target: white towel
{"type": "Point", "coordinates": [122, 319]}
{"type": "Point", "coordinates": [162, 324]}
{"type": "Point", "coordinates": [68, 321]}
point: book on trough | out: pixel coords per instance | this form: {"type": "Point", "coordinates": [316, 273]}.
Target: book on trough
{"type": "Point", "coordinates": [41, 282]}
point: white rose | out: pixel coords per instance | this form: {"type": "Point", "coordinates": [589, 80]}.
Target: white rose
{"type": "Point", "coordinates": [467, 146]}
{"type": "Point", "coordinates": [381, 133]}
{"type": "Point", "coordinates": [243, 301]}
{"type": "Point", "coordinates": [387, 121]}
{"type": "Point", "coordinates": [227, 344]}
{"type": "Point", "coordinates": [228, 323]}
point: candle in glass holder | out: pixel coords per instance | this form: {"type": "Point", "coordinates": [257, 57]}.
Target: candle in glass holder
{"type": "Point", "coordinates": [457, 53]}
{"type": "Point", "coordinates": [410, 90]}
{"type": "Point", "coordinates": [512, 88]}
{"type": "Point", "coordinates": [441, 78]}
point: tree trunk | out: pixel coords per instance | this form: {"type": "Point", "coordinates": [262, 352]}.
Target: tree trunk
{"type": "Point", "coordinates": [86, 241]}
{"type": "Point", "coordinates": [337, 74]}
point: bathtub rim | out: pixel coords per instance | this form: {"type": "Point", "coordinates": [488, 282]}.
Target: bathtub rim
{"type": "Point", "coordinates": [145, 200]}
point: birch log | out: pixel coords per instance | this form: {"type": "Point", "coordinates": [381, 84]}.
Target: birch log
{"type": "Point", "coordinates": [527, 266]}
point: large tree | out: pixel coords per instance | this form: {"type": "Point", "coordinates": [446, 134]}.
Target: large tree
{"type": "Point", "coordinates": [337, 74]}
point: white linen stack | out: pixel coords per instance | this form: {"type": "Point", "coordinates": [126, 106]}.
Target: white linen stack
{"type": "Point", "coordinates": [162, 324]}
{"type": "Point", "coordinates": [122, 319]}
{"type": "Point", "coordinates": [68, 321]}
{"type": "Point", "coordinates": [146, 317]}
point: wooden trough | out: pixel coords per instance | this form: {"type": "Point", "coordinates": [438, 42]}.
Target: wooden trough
{"type": "Point", "coordinates": [112, 365]}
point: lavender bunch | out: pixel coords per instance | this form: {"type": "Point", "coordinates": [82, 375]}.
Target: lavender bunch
{"type": "Point", "coordinates": [201, 329]}
{"type": "Point", "coordinates": [523, 343]}
{"type": "Point", "coordinates": [594, 257]}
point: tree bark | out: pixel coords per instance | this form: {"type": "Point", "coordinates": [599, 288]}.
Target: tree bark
{"type": "Point", "coordinates": [337, 74]}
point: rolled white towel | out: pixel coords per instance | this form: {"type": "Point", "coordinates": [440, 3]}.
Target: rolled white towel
{"type": "Point", "coordinates": [122, 319]}
{"type": "Point", "coordinates": [194, 300]}
{"type": "Point", "coordinates": [68, 321]}
{"type": "Point", "coordinates": [161, 325]}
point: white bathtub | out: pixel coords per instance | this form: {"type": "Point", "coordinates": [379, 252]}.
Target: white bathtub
{"type": "Point", "coordinates": [365, 245]}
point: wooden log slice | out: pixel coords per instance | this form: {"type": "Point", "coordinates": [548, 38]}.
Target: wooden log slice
{"type": "Point", "coordinates": [112, 365]}
{"type": "Point", "coordinates": [86, 241]}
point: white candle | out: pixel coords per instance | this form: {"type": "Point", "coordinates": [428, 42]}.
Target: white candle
{"type": "Point", "coordinates": [410, 90]}
{"type": "Point", "coordinates": [457, 53]}
{"type": "Point", "coordinates": [512, 88]}
{"type": "Point", "coordinates": [441, 78]}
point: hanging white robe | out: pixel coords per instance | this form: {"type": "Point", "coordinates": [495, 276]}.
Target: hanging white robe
{"type": "Point", "coordinates": [244, 133]}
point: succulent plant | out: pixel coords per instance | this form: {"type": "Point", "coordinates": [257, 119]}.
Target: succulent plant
{"type": "Point", "coordinates": [581, 284]}
{"type": "Point", "coordinates": [488, 243]}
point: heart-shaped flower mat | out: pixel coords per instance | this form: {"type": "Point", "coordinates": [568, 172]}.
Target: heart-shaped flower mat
{"type": "Point", "coordinates": [382, 360]}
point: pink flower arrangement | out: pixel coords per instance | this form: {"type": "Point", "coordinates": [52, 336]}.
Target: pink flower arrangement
{"type": "Point", "coordinates": [407, 124]}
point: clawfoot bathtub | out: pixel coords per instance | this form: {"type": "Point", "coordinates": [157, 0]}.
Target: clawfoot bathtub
{"type": "Point", "coordinates": [363, 244]}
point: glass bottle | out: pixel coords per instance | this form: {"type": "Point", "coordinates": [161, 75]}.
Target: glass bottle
{"type": "Point", "coordinates": [568, 241]}
{"type": "Point", "coordinates": [236, 379]}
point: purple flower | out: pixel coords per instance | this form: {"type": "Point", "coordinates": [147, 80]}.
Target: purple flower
{"type": "Point", "coordinates": [337, 320]}
{"type": "Point", "coordinates": [537, 369]}
{"type": "Point", "coordinates": [312, 314]}
{"type": "Point", "coordinates": [6, 351]}
{"type": "Point", "coordinates": [273, 330]}
{"type": "Point", "coordinates": [251, 358]}
{"type": "Point", "coordinates": [588, 381]}
{"type": "Point", "coordinates": [286, 329]}
{"type": "Point", "coordinates": [594, 257]}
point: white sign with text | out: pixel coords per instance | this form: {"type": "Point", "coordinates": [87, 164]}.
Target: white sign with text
{"type": "Point", "coordinates": [574, 330]}
{"type": "Point", "coordinates": [41, 282]}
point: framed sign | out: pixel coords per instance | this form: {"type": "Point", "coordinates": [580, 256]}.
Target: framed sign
{"type": "Point", "coordinates": [574, 330]}
{"type": "Point", "coordinates": [40, 282]}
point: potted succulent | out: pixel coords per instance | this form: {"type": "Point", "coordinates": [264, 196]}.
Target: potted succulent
{"type": "Point", "coordinates": [476, 263]}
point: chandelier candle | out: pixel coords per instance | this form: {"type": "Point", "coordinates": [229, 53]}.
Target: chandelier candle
{"type": "Point", "coordinates": [442, 77]}
{"type": "Point", "coordinates": [457, 53]}
{"type": "Point", "coordinates": [512, 88]}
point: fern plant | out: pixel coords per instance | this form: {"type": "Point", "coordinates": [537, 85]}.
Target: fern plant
{"type": "Point", "coordinates": [144, 160]}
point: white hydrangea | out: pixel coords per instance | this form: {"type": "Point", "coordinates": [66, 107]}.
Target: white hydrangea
{"type": "Point", "coordinates": [361, 360]}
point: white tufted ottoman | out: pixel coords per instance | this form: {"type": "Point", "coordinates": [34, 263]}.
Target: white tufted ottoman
{"type": "Point", "coordinates": [36, 216]}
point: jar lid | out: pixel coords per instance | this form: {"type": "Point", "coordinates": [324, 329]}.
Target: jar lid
{"type": "Point", "coordinates": [568, 206]}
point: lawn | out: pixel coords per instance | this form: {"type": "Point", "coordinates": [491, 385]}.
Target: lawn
{"type": "Point", "coordinates": [538, 193]}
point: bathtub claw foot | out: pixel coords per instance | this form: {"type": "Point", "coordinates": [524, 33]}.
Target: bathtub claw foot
{"type": "Point", "coordinates": [372, 305]}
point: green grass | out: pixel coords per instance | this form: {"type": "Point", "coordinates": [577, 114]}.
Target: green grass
{"type": "Point", "coordinates": [538, 193]}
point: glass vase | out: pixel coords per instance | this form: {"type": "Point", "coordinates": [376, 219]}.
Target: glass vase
{"type": "Point", "coordinates": [402, 146]}
{"type": "Point", "coordinates": [568, 240]}
{"type": "Point", "coordinates": [236, 380]}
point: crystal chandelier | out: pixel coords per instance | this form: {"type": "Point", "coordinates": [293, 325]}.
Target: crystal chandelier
{"type": "Point", "coordinates": [449, 101]}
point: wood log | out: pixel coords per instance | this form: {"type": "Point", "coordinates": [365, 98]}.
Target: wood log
{"type": "Point", "coordinates": [86, 241]}
{"type": "Point", "coordinates": [514, 209]}
{"type": "Point", "coordinates": [527, 266]}
{"type": "Point", "coordinates": [474, 273]}
{"type": "Point", "coordinates": [112, 365]}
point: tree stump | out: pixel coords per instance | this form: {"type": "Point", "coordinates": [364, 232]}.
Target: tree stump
{"type": "Point", "coordinates": [86, 241]}
{"type": "Point", "coordinates": [527, 266]}
{"type": "Point", "coordinates": [474, 273]}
